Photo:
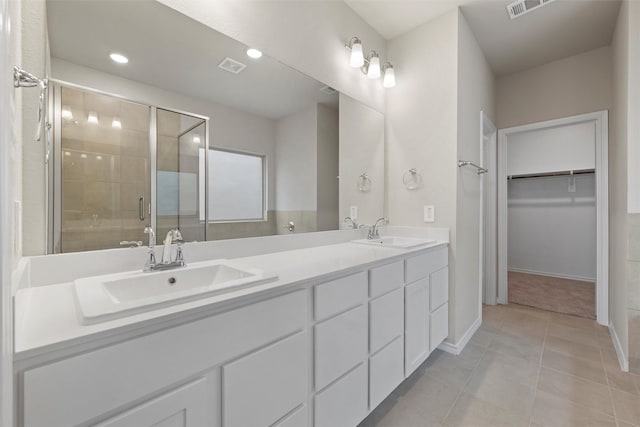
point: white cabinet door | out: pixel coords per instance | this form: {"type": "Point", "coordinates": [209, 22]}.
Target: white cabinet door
{"type": "Point", "coordinates": [439, 288]}
{"type": "Point", "coordinates": [385, 372]}
{"type": "Point", "coordinates": [264, 386]}
{"type": "Point", "coordinates": [416, 325]}
{"type": "Point", "coordinates": [344, 403]}
{"type": "Point", "coordinates": [386, 319]}
{"type": "Point", "coordinates": [386, 278]}
{"type": "Point", "coordinates": [340, 344]}
{"type": "Point", "coordinates": [439, 326]}
{"type": "Point", "coordinates": [340, 294]}
{"type": "Point", "coordinates": [182, 407]}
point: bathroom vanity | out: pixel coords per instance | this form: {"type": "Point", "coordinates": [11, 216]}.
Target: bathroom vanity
{"type": "Point", "coordinates": [323, 345]}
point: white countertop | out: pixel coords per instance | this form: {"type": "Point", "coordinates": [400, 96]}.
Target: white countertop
{"type": "Point", "coordinates": [48, 320]}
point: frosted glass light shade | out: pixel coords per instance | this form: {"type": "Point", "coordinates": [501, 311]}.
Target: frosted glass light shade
{"type": "Point", "coordinates": [93, 117]}
{"type": "Point", "coordinates": [357, 57]}
{"type": "Point", "coordinates": [389, 77]}
{"type": "Point", "coordinates": [374, 67]}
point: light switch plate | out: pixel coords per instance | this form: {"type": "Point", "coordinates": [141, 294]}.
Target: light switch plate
{"type": "Point", "coordinates": [353, 212]}
{"type": "Point", "coordinates": [429, 213]}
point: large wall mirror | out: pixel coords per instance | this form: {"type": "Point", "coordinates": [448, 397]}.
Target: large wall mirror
{"type": "Point", "coordinates": [193, 133]}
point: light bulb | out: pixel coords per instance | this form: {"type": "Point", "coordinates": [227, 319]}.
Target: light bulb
{"type": "Point", "coordinates": [374, 66]}
{"type": "Point", "coordinates": [116, 123]}
{"type": "Point", "coordinates": [254, 53]}
{"type": "Point", "coordinates": [389, 76]}
{"type": "Point", "coordinates": [119, 58]}
{"type": "Point", "coordinates": [93, 117]}
{"type": "Point", "coordinates": [66, 113]}
{"type": "Point", "coordinates": [357, 57]}
{"type": "Point", "coordinates": [196, 139]}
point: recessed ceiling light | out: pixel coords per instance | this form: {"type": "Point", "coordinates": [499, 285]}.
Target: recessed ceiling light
{"type": "Point", "coordinates": [66, 113]}
{"type": "Point", "coordinates": [119, 58]}
{"type": "Point", "coordinates": [116, 123]}
{"type": "Point", "coordinates": [253, 53]}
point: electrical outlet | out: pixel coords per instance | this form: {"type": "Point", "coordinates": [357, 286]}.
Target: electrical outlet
{"type": "Point", "coordinates": [353, 212]}
{"type": "Point", "coordinates": [429, 213]}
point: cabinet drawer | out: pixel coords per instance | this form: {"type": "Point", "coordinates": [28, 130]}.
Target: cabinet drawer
{"type": "Point", "coordinates": [340, 344]}
{"type": "Point", "coordinates": [298, 418]}
{"type": "Point", "coordinates": [340, 294]}
{"type": "Point", "coordinates": [345, 402]}
{"type": "Point", "coordinates": [183, 407]}
{"type": "Point", "coordinates": [386, 278]}
{"type": "Point", "coordinates": [420, 266]}
{"type": "Point", "coordinates": [264, 386]}
{"type": "Point", "coordinates": [386, 315]}
{"type": "Point", "coordinates": [439, 324]}
{"type": "Point", "coordinates": [136, 368]}
{"type": "Point", "coordinates": [439, 288]}
{"type": "Point", "coordinates": [385, 372]}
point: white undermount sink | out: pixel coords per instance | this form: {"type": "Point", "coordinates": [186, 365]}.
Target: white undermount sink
{"type": "Point", "coordinates": [112, 296]}
{"type": "Point", "coordinates": [395, 242]}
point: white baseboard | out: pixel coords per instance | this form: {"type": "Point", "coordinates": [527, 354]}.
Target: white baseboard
{"type": "Point", "coordinates": [561, 276]}
{"type": "Point", "coordinates": [457, 348]}
{"type": "Point", "coordinates": [622, 358]}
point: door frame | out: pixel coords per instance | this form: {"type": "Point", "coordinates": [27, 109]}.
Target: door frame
{"type": "Point", "coordinates": [601, 120]}
{"type": "Point", "coordinates": [488, 212]}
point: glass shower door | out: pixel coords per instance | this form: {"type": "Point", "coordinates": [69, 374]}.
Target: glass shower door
{"type": "Point", "coordinates": [104, 171]}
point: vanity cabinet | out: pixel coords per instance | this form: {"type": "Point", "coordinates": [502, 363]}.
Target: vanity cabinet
{"type": "Point", "coordinates": [323, 354]}
{"type": "Point", "coordinates": [426, 305]}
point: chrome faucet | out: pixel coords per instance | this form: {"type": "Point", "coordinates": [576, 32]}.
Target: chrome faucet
{"type": "Point", "coordinates": [373, 230]}
{"type": "Point", "coordinates": [354, 224]}
{"type": "Point", "coordinates": [166, 263]}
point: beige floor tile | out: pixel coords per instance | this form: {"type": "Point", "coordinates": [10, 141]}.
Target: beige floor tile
{"type": "Point", "coordinates": [517, 346]}
{"type": "Point", "coordinates": [431, 397]}
{"type": "Point", "coordinates": [503, 366]}
{"type": "Point", "coordinates": [482, 338]}
{"type": "Point", "coordinates": [578, 336]}
{"type": "Point", "coordinates": [445, 367]}
{"type": "Point", "coordinates": [572, 349]}
{"type": "Point", "coordinates": [627, 406]}
{"type": "Point", "coordinates": [396, 413]}
{"type": "Point", "coordinates": [583, 368]}
{"type": "Point", "coordinates": [576, 390]}
{"type": "Point", "coordinates": [505, 393]}
{"type": "Point", "coordinates": [625, 424]}
{"type": "Point", "coordinates": [624, 381]}
{"type": "Point", "coordinates": [471, 411]}
{"type": "Point", "coordinates": [549, 411]}
{"type": "Point", "coordinates": [573, 321]}
{"type": "Point", "coordinates": [532, 311]}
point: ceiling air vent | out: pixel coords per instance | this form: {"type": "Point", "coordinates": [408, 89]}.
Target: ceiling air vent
{"type": "Point", "coordinates": [231, 65]}
{"type": "Point", "coordinates": [521, 7]}
{"type": "Point", "coordinates": [328, 90]}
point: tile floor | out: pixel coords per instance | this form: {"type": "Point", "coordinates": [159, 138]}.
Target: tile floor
{"type": "Point", "coordinates": [524, 367]}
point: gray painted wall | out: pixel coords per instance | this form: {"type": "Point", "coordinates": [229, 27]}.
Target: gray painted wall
{"type": "Point", "coordinates": [552, 231]}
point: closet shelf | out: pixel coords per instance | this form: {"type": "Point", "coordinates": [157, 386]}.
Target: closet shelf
{"type": "Point", "coordinates": [557, 173]}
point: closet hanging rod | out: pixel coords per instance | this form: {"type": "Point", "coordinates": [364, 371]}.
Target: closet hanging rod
{"type": "Point", "coordinates": [480, 169]}
{"type": "Point", "coordinates": [558, 173]}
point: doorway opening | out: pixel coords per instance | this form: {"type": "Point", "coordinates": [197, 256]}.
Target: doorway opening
{"type": "Point", "coordinates": [553, 215]}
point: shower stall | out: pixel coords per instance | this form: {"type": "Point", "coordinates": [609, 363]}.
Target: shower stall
{"type": "Point", "coordinates": [117, 166]}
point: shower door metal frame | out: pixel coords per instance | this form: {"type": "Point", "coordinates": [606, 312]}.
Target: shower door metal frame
{"type": "Point", "coordinates": [54, 166]}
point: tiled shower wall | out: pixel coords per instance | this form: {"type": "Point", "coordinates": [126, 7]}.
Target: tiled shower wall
{"type": "Point", "coordinates": [633, 266]}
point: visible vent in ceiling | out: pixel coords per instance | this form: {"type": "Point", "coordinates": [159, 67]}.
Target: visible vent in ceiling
{"type": "Point", "coordinates": [231, 65]}
{"type": "Point", "coordinates": [328, 90]}
{"type": "Point", "coordinates": [521, 7]}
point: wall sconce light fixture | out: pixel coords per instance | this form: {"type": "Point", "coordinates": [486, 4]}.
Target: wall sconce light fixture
{"type": "Point", "coordinates": [370, 66]}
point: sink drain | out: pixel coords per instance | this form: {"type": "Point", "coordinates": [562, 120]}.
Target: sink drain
{"type": "Point", "coordinates": [172, 280]}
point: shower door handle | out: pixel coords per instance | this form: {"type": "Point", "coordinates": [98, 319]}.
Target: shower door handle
{"type": "Point", "coordinates": [141, 208]}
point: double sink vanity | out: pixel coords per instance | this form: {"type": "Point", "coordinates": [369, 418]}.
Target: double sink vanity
{"type": "Point", "coordinates": [310, 330]}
